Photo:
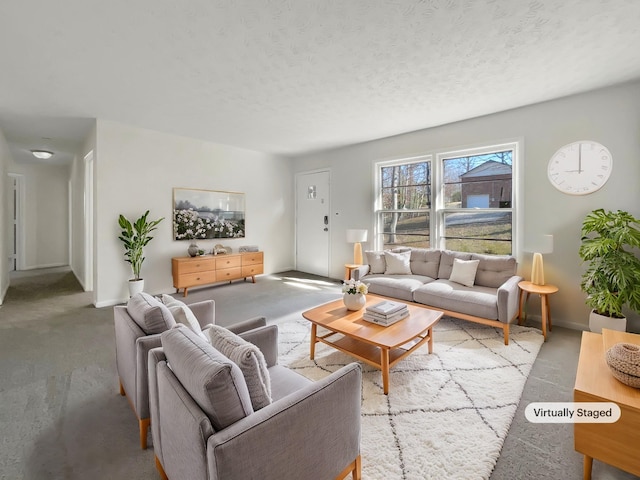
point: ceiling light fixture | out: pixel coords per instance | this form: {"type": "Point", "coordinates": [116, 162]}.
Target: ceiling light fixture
{"type": "Point", "coordinates": [42, 154]}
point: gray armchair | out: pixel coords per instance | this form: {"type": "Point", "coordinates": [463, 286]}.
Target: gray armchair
{"type": "Point", "coordinates": [137, 331]}
{"type": "Point", "coordinates": [204, 426]}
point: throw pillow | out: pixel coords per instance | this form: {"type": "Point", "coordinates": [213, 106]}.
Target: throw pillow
{"type": "Point", "coordinates": [464, 271]}
{"type": "Point", "coordinates": [398, 263]}
{"type": "Point", "coordinates": [183, 314]}
{"type": "Point", "coordinates": [149, 313]}
{"type": "Point", "coordinates": [250, 360]}
{"type": "Point", "coordinates": [375, 261]}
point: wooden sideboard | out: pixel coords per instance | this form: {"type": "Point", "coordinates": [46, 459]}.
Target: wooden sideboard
{"type": "Point", "coordinates": [618, 443]}
{"type": "Point", "coordinates": [207, 269]}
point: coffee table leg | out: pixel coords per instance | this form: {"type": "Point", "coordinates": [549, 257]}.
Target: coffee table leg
{"type": "Point", "coordinates": [314, 330]}
{"type": "Point", "coordinates": [384, 366]}
{"type": "Point", "coordinates": [588, 464]}
{"type": "Point", "coordinates": [430, 343]}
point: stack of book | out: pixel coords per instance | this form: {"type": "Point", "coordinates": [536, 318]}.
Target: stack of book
{"type": "Point", "coordinates": [386, 313]}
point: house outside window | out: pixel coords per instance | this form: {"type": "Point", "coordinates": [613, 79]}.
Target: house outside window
{"type": "Point", "coordinates": [466, 201]}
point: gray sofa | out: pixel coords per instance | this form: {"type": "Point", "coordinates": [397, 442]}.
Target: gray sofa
{"type": "Point", "coordinates": [488, 296]}
{"type": "Point", "coordinates": [204, 425]}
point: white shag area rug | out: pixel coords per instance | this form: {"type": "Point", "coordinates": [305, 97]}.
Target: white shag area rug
{"type": "Point", "coordinates": [447, 414]}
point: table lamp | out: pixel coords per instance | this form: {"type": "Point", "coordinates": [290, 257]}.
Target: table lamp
{"type": "Point", "coordinates": [356, 236]}
{"type": "Point", "coordinates": [543, 244]}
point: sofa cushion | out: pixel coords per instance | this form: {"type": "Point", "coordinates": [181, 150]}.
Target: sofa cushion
{"type": "Point", "coordinates": [183, 314]}
{"type": "Point", "coordinates": [376, 262]}
{"type": "Point", "coordinates": [396, 286]}
{"type": "Point", "coordinates": [446, 262]}
{"type": "Point", "coordinates": [464, 271]}
{"type": "Point", "coordinates": [397, 263]}
{"type": "Point", "coordinates": [149, 313]}
{"type": "Point", "coordinates": [285, 382]}
{"type": "Point", "coordinates": [425, 261]}
{"type": "Point", "coordinates": [250, 360]}
{"type": "Point", "coordinates": [214, 382]}
{"type": "Point", "coordinates": [494, 270]}
{"type": "Point", "coordinates": [477, 301]}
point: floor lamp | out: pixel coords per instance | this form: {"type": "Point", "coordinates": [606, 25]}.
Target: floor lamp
{"type": "Point", "coordinates": [356, 236]}
{"type": "Point", "coordinates": [544, 244]}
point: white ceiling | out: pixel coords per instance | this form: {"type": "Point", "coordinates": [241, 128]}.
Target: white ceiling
{"type": "Point", "coordinates": [293, 76]}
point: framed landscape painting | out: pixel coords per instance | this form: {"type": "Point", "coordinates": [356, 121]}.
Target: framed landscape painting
{"type": "Point", "coordinates": [207, 214]}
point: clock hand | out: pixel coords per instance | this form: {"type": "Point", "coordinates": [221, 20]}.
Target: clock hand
{"type": "Point", "coordinates": [579, 158]}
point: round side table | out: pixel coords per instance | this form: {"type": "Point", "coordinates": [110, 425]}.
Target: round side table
{"type": "Point", "coordinates": [544, 291]}
{"type": "Point", "coordinates": [348, 268]}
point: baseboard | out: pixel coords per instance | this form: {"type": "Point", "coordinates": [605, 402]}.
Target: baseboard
{"type": "Point", "coordinates": [536, 321]}
{"type": "Point", "coordinates": [50, 265]}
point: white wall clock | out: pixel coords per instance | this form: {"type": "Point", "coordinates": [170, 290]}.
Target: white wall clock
{"type": "Point", "coordinates": [580, 167]}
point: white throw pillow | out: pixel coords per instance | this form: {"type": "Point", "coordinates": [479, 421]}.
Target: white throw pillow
{"type": "Point", "coordinates": [250, 360]}
{"type": "Point", "coordinates": [183, 314]}
{"type": "Point", "coordinates": [464, 271]}
{"type": "Point", "coordinates": [398, 263]}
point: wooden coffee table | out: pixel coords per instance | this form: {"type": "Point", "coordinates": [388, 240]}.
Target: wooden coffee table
{"type": "Point", "coordinates": [379, 346]}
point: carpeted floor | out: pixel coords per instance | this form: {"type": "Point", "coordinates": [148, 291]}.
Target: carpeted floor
{"type": "Point", "coordinates": [61, 416]}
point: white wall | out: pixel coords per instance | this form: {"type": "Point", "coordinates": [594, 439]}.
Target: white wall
{"type": "Point", "coordinates": [137, 169]}
{"type": "Point", "coordinates": [5, 230]}
{"type": "Point", "coordinates": [610, 116]}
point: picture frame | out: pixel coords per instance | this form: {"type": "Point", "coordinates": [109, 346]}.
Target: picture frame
{"type": "Point", "coordinates": [207, 214]}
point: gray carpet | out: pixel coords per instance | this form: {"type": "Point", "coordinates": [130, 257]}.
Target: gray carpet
{"type": "Point", "coordinates": [62, 417]}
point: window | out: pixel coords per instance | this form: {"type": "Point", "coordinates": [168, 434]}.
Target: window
{"type": "Point", "coordinates": [476, 213]}
{"type": "Point", "coordinates": [472, 196]}
{"type": "Point", "coordinates": [404, 209]}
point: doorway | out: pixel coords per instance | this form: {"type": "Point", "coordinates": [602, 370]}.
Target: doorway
{"type": "Point", "coordinates": [16, 205]}
{"type": "Point", "coordinates": [312, 222]}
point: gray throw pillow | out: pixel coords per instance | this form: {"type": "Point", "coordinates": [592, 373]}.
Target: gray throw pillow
{"type": "Point", "coordinates": [250, 360]}
{"type": "Point", "coordinates": [376, 261]}
{"type": "Point", "coordinates": [149, 313]}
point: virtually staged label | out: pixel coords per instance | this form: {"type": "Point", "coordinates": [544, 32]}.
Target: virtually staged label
{"type": "Point", "coordinates": [572, 412]}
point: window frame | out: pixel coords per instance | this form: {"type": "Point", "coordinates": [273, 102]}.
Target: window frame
{"type": "Point", "coordinates": [437, 211]}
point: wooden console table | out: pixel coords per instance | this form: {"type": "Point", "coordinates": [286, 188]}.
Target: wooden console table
{"type": "Point", "coordinates": [614, 443]}
{"type": "Point", "coordinates": [207, 269]}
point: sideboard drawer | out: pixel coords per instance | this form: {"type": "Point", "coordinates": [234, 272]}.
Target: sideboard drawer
{"type": "Point", "coordinates": [197, 278]}
{"type": "Point", "coordinates": [252, 258]}
{"type": "Point", "coordinates": [228, 274]}
{"type": "Point", "coordinates": [251, 270]}
{"type": "Point", "coordinates": [227, 262]}
{"type": "Point", "coordinates": [197, 265]}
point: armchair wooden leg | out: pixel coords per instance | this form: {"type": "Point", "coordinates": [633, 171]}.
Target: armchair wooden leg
{"type": "Point", "coordinates": [163, 475]}
{"type": "Point", "coordinates": [144, 428]}
{"type": "Point", "coordinates": [354, 468]}
{"type": "Point", "coordinates": [122, 392]}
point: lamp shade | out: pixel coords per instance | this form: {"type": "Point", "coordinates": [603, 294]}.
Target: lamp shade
{"type": "Point", "coordinates": [357, 235]}
{"type": "Point", "coordinates": [540, 244]}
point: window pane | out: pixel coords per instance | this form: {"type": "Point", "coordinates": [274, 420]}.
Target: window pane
{"type": "Point", "coordinates": [480, 181]}
{"type": "Point", "coordinates": [480, 232]}
{"type": "Point", "coordinates": [411, 197]}
{"type": "Point", "coordinates": [409, 229]}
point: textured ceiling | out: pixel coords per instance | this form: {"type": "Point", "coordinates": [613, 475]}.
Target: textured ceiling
{"type": "Point", "coordinates": [294, 76]}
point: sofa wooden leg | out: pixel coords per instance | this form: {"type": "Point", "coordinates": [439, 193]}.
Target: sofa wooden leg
{"type": "Point", "coordinates": [144, 428]}
{"type": "Point", "coordinates": [161, 471]}
{"type": "Point", "coordinates": [122, 392]}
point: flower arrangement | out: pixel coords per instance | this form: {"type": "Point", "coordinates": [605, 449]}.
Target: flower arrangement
{"type": "Point", "coordinates": [353, 287]}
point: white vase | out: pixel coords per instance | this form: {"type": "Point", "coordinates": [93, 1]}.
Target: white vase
{"type": "Point", "coordinates": [354, 301]}
{"type": "Point", "coordinates": [597, 322]}
{"type": "Point", "coordinates": [135, 286]}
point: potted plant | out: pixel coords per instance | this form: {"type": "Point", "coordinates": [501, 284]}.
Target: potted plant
{"type": "Point", "coordinates": [613, 273]}
{"type": "Point", "coordinates": [135, 236]}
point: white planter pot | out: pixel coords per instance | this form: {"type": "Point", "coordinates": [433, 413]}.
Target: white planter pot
{"type": "Point", "coordinates": [597, 322]}
{"type": "Point", "coordinates": [135, 286]}
{"type": "Point", "coordinates": [354, 301]}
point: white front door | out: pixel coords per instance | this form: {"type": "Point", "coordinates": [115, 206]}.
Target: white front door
{"type": "Point", "coordinates": [312, 223]}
